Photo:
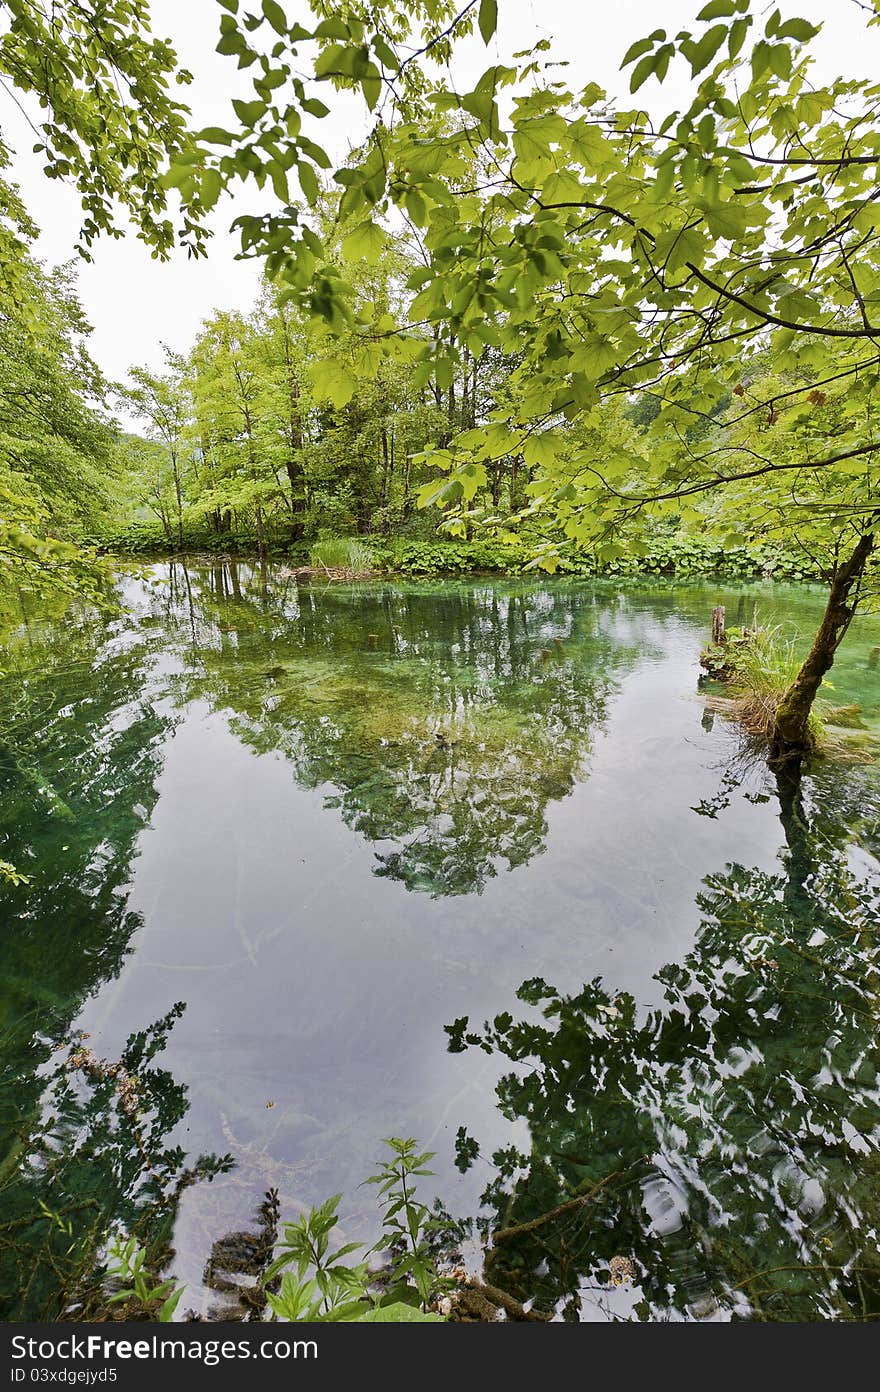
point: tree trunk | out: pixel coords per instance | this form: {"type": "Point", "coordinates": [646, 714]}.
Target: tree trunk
{"type": "Point", "coordinates": [465, 385]}
{"type": "Point", "coordinates": [166, 525]}
{"type": "Point", "coordinates": [791, 727]}
{"type": "Point", "coordinates": [386, 477]}
{"type": "Point", "coordinates": [295, 476]}
{"type": "Point", "coordinates": [179, 497]}
{"type": "Point", "coordinates": [405, 511]}
{"type": "Point", "coordinates": [295, 470]}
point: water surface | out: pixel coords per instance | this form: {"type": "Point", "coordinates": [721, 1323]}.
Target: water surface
{"type": "Point", "coordinates": [347, 825]}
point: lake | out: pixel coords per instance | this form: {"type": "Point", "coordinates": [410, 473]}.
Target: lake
{"type": "Point", "coordinates": [467, 861]}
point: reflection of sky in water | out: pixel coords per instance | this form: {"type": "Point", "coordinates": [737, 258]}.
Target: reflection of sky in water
{"type": "Point", "coordinates": [324, 928]}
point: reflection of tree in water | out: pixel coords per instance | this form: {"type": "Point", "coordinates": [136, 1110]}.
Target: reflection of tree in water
{"type": "Point", "coordinates": [80, 750]}
{"type": "Point", "coordinates": [726, 1143]}
{"type": "Point", "coordinates": [93, 1161]}
{"type": "Point", "coordinates": [447, 720]}
{"type": "Point", "coordinates": [470, 702]}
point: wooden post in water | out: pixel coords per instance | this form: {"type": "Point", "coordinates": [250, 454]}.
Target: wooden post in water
{"type": "Point", "coordinates": [718, 624]}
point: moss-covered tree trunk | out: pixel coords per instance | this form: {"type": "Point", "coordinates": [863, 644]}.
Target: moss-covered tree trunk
{"type": "Point", "coordinates": [791, 728]}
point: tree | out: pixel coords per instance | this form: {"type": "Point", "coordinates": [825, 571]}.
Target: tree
{"type": "Point", "coordinates": [161, 401]}
{"type": "Point", "coordinates": [150, 486]}
{"type": "Point", "coordinates": [111, 125]}
{"type": "Point", "coordinates": [288, 344]}
{"type": "Point", "coordinates": [250, 405]}
{"type": "Point", "coordinates": [58, 455]}
{"type": "Point", "coordinates": [616, 256]}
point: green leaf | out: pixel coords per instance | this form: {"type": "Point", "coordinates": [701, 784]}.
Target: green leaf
{"type": "Point", "coordinates": [676, 248]}
{"type": "Point", "coordinates": [275, 15]}
{"type": "Point", "coordinates": [702, 53]}
{"type": "Point", "coordinates": [350, 1312]}
{"type": "Point", "coordinates": [653, 63]}
{"type": "Point", "coordinates": [365, 243]}
{"type": "Point", "coordinates": [760, 59]}
{"type": "Point", "coordinates": [595, 355]}
{"type": "Point", "coordinates": [332, 382]}
{"type": "Point", "coordinates": [249, 113]}
{"type": "Point", "coordinates": [642, 71]}
{"type": "Point", "coordinates": [398, 1313]}
{"type": "Point", "coordinates": [488, 18]}
{"type": "Point", "coordinates": [308, 181]}
{"type": "Point", "coordinates": [729, 220]}
{"type": "Point", "coordinates": [169, 1305]}
{"type": "Point", "coordinates": [636, 50]}
{"type": "Point", "coordinates": [211, 187]}
{"type": "Point", "coordinates": [178, 175]}
{"type": "Point", "coordinates": [718, 9]}
{"type": "Point", "coordinates": [416, 207]}
{"type": "Point", "coordinates": [231, 44]}
{"type": "Point", "coordinates": [215, 135]}
{"type": "Point", "coordinates": [738, 30]}
{"type": "Point", "coordinates": [279, 182]}
{"type": "Point", "coordinates": [799, 29]}
{"type": "Point", "coordinates": [542, 449]}
{"type": "Point", "coordinates": [780, 60]}
{"type": "Point", "coordinates": [866, 218]}
{"type": "Point", "coordinates": [333, 28]}
{"type": "Point", "coordinates": [371, 84]}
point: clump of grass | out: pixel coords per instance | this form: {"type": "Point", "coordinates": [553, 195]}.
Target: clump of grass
{"type": "Point", "coordinates": [761, 671]}
{"type": "Point", "coordinates": [758, 665]}
{"type": "Point", "coordinates": [342, 553]}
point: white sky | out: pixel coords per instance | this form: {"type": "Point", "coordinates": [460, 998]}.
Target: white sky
{"type": "Point", "coordinates": [135, 303]}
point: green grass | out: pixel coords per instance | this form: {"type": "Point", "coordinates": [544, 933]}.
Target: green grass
{"type": "Point", "coordinates": [342, 553]}
{"type": "Point", "coordinates": [762, 667]}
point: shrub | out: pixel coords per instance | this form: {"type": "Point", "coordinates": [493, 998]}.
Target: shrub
{"type": "Point", "coordinates": [309, 1280]}
{"type": "Point", "coordinates": [674, 554]}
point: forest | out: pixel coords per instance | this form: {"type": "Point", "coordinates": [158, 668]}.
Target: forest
{"type": "Point", "coordinates": [478, 623]}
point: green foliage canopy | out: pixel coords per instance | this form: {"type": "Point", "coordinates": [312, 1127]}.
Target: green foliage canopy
{"type": "Point", "coordinates": [618, 255]}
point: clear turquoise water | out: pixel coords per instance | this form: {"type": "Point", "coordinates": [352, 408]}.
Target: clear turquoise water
{"type": "Point", "coordinates": [337, 823]}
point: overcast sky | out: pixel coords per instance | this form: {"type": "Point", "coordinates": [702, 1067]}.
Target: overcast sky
{"type": "Point", "coordinates": [136, 303]}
